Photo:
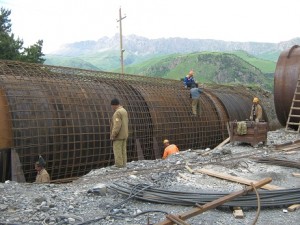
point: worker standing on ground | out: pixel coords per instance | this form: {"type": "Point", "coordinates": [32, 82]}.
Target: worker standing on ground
{"type": "Point", "coordinates": [189, 79]}
{"type": "Point", "coordinates": [42, 174]}
{"type": "Point", "coordinates": [169, 149]}
{"type": "Point", "coordinates": [195, 96]}
{"type": "Point", "coordinates": [119, 133]}
{"type": "Point", "coordinates": [256, 110]}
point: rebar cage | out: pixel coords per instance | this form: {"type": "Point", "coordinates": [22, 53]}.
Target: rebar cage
{"type": "Point", "coordinates": [64, 115]}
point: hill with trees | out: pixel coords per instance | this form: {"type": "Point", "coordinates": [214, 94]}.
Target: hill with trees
{"type": "Point", "coordinates": [210, 67]}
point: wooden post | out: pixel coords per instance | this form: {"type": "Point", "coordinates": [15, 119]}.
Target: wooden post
{"type": "Point", "coordinates": [215, 203]}
{"type": "Point", "coordinates": [17, 173]}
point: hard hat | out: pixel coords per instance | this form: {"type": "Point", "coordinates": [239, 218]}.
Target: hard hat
{"type": "Point", "coordinates": [166, 141]}
{"type": "Point", "coordinates": [41, 162]}
{"type": "Point", "coordinates": [255, 100]}
{"type": "Point", "coordinates": [191, 72]}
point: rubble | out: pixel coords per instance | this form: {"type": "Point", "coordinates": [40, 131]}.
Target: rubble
{"type": "Point", "coordinates": [89, 200]}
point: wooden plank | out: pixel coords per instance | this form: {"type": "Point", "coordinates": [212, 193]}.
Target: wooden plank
{"type": "Point", "coordinates": [290, 153]}
{"type": "Point", "coordinates": [238, 213]}
{"type": "Point", "coordinates": [211, 205]}
{"type": "Point", "coordinates": [139, 149]}
{"type": "Point", "coordinates": [16, 168]}
{"type": "Point", "coordinates": [157, 153]}
{"type": "Point", "coordinates": [288, 144]}
{"type": "Point", "coordinates": [291, 148]}
{"type": "Point", "coordinates": [223, 143]}
{"type": "Point", "coordinates": [293, 208]}
{"type": "Point", "coordinates": [296, 174]}
{"type": "Point", "coordinates": [235, 179]}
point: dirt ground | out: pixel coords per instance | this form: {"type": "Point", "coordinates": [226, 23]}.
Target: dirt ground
{"type": "Point", "coordinates": [80, 201]}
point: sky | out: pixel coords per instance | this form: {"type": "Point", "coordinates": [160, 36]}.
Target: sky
{"type": "Point", "coordinates": [58, 22]}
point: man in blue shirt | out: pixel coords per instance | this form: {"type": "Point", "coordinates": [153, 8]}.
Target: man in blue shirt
{"type": "Point", "coordinates": [189, 80]}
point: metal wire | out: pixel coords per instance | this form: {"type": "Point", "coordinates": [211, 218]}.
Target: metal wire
{"type": "Point", "coordinates": [267, 198]}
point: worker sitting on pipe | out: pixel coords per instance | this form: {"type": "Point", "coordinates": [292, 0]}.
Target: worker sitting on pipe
{"type": "Point", "coordinates": [189, 79]}
{"type": "Point", "coordinates": [256, 110]}
{"type": "Point", "coordinates": [169, 149]}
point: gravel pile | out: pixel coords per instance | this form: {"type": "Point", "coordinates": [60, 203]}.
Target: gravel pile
{"type": "Point", "coordinates": [89, 200]}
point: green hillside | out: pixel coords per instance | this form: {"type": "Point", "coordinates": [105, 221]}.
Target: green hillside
{"type": "Point", "coordinates": [210, 67]}
{"type": "Point", "coordinates": [266, 66]}
{"type": "Point", "coordinates": [271, 55]}
{"type": "Point", "coordinates": [66, 61]}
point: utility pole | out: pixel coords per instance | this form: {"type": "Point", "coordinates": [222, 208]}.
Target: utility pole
{"type": "Point", "coordinates": [121, 42]}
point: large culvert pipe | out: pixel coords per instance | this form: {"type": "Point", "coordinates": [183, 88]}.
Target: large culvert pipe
{"type": "Point", "coordinates": [64, 115]}
{"type": "Point", "coordinates": [285, 82]}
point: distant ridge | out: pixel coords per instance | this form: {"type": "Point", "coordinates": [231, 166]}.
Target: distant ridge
{"type": "Point", "coordinates": [104, 54]}
{"type": "Point", "coordinates": [143, 46]}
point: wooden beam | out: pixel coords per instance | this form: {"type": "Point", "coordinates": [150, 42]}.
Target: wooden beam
{"type": "Point", "coordinates": [139, 149]}
{"type": "Point", "coordinates": [223, 143]}
{"type": "Point", "coordinates": [235, 179]}
{"type": "Point", "coordinates": [296, 174]}
{"type": "Point", "coordinates": [17, 173]}
{"type": "Point", "coordinates": [238, 213]}
{"type": "Point", "coordinates": [292, 208]}
{"type": "Point", "coordinates": [281, 146]}
{"type": "Point", "coordinates": [211, 205]}
{"type": "Point", "coordinates": [238, 180]}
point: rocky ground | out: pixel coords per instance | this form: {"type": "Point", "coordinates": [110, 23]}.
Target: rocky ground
{"type": "Point", "coordinates": [84, 201]}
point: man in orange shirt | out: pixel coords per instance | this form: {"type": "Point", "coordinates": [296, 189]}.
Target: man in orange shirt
{"type": "Point", "coordinates": [169, 149]}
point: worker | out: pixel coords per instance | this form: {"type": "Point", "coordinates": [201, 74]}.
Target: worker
{"type": "Point", "coordinates": [42, 174]}
{"type": "Point", "coordinates": [119, 134]}
{"type": "Point", "coordinates": [195, 96]}
{"type": "Point", "coordinates": [189, 79]}
{"type": "Point", "coordinates": [169, 149]}
{"type": "Point", "coordinates": [256, 111]}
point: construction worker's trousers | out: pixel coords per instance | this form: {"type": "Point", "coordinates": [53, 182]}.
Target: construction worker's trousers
{"type": "Point", "coordinates": [196, 106]}
{"type": "Point", "coordinates": [120, 152]}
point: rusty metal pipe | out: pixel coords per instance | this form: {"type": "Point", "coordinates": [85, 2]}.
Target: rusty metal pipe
{"type": "Point", "coordinates": [285, 81]}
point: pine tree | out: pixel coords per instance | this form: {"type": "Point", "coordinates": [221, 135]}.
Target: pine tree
{"type": "Point", "coordinates": [11, 48]}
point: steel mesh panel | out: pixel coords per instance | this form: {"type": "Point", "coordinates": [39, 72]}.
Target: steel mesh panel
{"type": "Point", "coordinates": [64, 115]}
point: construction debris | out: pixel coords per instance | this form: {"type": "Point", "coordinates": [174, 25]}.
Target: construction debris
{"type": "Point", "coordinates": [81, 202]}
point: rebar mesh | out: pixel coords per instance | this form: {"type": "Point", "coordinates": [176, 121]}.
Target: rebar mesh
{"type": "Point", "coordinates": [64, 115]}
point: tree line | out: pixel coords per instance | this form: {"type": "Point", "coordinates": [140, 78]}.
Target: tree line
{"type": "Point", "coordinates": [11, 48]}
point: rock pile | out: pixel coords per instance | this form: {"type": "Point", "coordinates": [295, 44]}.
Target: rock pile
{"type": "Point", "coordinates": [89, 200]}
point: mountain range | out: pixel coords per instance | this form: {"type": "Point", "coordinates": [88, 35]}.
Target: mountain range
{"type": "Point", "coordinates": [104, 54]}
{"type": "Point", "coordinates": [214, 61]}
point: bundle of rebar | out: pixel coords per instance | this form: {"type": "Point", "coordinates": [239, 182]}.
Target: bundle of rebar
{"type": "Point", "coordinates": [279, 162]}
{"type": "Point", "coordinates": [148, 193]}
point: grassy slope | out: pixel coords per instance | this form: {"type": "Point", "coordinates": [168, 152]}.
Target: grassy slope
{"type": "Point", "coordinates": [213, 67]}
{"type": "Point", "coordinates": [210, 67]}
{"type": "Point", "coordinates": [266, 66]}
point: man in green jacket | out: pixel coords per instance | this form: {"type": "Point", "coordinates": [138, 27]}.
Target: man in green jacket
{"type": "Point", "coordinates": [119, 133]}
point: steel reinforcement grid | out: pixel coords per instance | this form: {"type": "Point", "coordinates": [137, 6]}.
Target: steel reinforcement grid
{"type": "Point", "coordinates": [64, 115]}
